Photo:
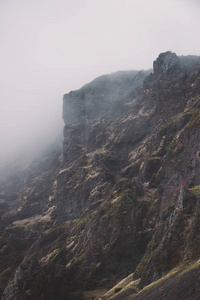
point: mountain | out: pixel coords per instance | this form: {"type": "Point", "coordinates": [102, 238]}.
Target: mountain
{"type": "Point", "coordinates": [115, 213]}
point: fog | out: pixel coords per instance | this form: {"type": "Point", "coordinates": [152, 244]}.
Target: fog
{"type": "Point", "coordinates": [49, 47]}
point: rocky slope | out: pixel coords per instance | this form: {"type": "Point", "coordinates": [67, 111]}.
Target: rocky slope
{"type": "Point", "coordinates": [122, 202]}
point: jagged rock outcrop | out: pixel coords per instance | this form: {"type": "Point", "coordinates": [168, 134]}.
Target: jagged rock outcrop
{"type": "Point", "coordinates": [123, 200]}
{"type": "Point", "coordinates": [29, 282]}
{"type": "Point", "coordinates": [169, 63]}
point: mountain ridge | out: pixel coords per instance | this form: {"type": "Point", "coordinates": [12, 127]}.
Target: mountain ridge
{"type": "Point", "coordinates": [121, 198]}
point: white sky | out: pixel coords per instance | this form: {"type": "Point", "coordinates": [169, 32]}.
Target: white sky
{"type": "Point", "coordinates": [49, 47]}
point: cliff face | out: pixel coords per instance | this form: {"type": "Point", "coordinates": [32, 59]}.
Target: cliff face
{"type": "Point", "coordinates": [103, 96]}
{"type": "Point", "coordinates": [124, 200]}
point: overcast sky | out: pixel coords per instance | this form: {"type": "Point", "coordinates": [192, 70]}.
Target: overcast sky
{"type": "Point", "coordinates": [49, 47]}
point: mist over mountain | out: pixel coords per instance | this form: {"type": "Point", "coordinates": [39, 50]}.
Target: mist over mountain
{"type": "Point", "coordinates": [113, 212]}
{"type": "Point", "coordinates": [49, 48]}
{"type": "Point", "coordinates": [30, 136]}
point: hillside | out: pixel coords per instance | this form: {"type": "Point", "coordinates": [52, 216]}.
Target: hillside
{"type": "Point", "coordinates": [115, 214]}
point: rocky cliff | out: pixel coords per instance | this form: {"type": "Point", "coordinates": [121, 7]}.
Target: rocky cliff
{"type": "Point", "coordinates": [116, 215]}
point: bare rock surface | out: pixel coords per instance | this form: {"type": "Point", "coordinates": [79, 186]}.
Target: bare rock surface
{"type": "Point", "coordinates": [121, 198]}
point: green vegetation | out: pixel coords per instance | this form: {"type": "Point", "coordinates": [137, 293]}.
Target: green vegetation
{"type": "Point", "coordinates": [78, 259]}
{"type": "Point", "coordinates": [152, 208]}
{"type": "Point", "coordinates": [167, 211]}
{"type": "Point", "coordinates": [177, 272]}
{"type": "Point", "coordinates": [189, 267]}
{"type": "Point", "coordinates": [169, 129]}
{"type": "Point", "coordinates": [173, 143]}
{"type": "Point", "coordinates": [123, 182]}
{"type": "Point", "coordinates": [124, 285]}
{"type": "Point", "coordinates": [151, 285]}
{"type": "Point", "coordinates": [177, 118]}
{"type": "Point", "coordinates": [193, 191]}
{"type": "Point", "coordinates": [5, 275]}
{"type": "Point", "coordinates": [172, 122]}
{"type": "Point", "coordinates": [88, 168]}
{"type": "Point", "coordinates": [119, 205]}
{"type": "Point", "coordinates": [128, 284]}
{"type": "Point", "coordinates": [56, 231]}
{"type": "Point", "coordinates": [51, 256]}
{"type": "Point", "coordinates": [195, 120]}
{"type": "Point", "coordinates": [123, 185]}
{"type": "Point", "coordinates": [140, 267]}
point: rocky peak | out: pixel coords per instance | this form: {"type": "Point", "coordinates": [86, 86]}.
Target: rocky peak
{"type": "Point", "coordinates": [166, 63]}
{"type": "Point", "coordinates": [169, 63]}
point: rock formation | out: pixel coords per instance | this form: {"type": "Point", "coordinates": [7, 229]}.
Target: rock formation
{"type": "Point", "coordinates": [117, 214]}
